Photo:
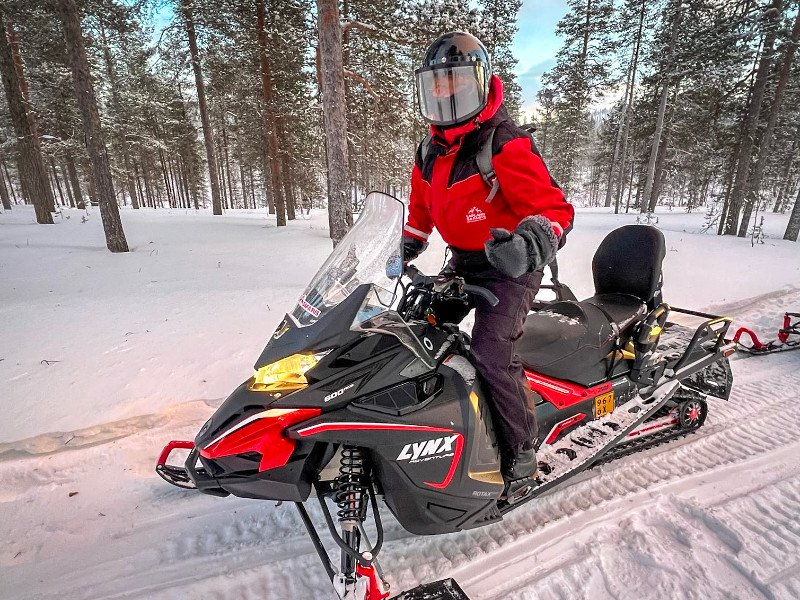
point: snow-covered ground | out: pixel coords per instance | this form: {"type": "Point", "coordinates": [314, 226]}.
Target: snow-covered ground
{"type": "Point", "coordinates": [103, 358]}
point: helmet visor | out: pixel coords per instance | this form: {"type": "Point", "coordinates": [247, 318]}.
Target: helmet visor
{"type": "Point", "coordinates": [449, 95]}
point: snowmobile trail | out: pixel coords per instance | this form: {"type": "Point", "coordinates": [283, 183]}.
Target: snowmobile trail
{"type": "Point", "coordinates": [714, 514]}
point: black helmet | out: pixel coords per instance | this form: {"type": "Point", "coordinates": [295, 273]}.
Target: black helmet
{"type": "Point", "coordinates": [453, 82]}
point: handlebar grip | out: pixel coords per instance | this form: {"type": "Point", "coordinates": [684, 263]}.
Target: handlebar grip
{"type": "Point", "coordinates": [483, 293]}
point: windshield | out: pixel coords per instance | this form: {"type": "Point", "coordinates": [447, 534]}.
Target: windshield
{"type": "Point", "coordinates": [371, 252]}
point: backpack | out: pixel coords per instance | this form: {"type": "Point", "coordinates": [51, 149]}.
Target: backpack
{"type": "Point", "coordinates": [483, 158]}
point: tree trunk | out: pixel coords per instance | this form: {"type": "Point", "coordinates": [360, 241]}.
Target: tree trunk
{"type": "Point", "coordinates": [221, 174]}
{"type": "Point", "coordinates": [617, 144]}
{"type": "Point", "coordinates": [203, 107]}
{"type": "Point", "coordinates": [57, 181]}
{"type": "Point", "coordinates": [226, 156]}
{"type": "Point", "coordinates": [772, 16]}
{"type": "Point", "coordinates": [122, 141]}
{"type": "Point", "coordinates": [30, 165]}
{"type": "Point", "coordinates": [784, 180]}
{"type": "Point", "coordinates": [629, 108]}
{"type": "Point", "coordinates": [139, 183]}
{"type": "Point", "coordinates": [334, 109]}
{"type": "Point", "coordinates": [175, 177]}
{"type": "Point", "coordinates": [93, 134]}
{"type": "Point", "coordinates": [287, 191]}
{"type": "Point", "coordinates": [754, 183]}
{"type": "Point", "coordinates": [662, 110]}
{"type": "Point", "coordinates": [8, 179]}
{"type": "Point", "coordinates": [75, 182]}
{"type": "Point", "coordinates": [252, 187]}
{"type": "Point", "coordinates": [269, 122]}
{"type": "Point", "coordinates": [165, 177]}
{"type": "Point", "coordinates": [793, 228]}
{"type": "Point", "coordinates": [288, 177]}
{"type": "Point", "coordinates": [4, 192]}
{"type": "Point", "coordinates": [67, 186]}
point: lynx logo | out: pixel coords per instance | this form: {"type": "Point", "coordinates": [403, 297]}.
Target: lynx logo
{"type": "Point", "coordinates": [337, 393]}
{"type": "Point", "coordinates": [475, 214]}
{"type": "Point", "coordinates": [431, 448]}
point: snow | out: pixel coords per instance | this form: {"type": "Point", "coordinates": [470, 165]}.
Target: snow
{"type": "Point", "coordinates": [149, 342]}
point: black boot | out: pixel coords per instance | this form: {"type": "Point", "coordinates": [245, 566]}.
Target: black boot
{"type": "Point", "coordinates": [519, 466]}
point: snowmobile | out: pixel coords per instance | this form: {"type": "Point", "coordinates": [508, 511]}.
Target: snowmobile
{"type": "Point", "coordinates": [367, 391]}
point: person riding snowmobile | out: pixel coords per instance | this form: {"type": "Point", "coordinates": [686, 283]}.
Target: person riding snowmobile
{"type": "Point", "coordinates": [500, 238]}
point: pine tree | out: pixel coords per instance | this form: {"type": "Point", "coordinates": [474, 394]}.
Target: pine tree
{"type": "Point", "coordinates": [770, 21]}
{"type": "Point", "coordinates": [187, 10]}
{"type": "Point", "coordinates": [31, 166]}
{"type": "Point", "coordinates": [87, 104]}
{"type": "Point", "coordinates": [582, 72]}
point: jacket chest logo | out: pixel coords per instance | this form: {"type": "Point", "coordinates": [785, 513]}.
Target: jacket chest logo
{"type": "Point", "coordinates": [475, 214]}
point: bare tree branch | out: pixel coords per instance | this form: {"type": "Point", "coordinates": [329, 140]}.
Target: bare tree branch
{"type": "Point", "coordinates": [367, 28]}
{"type": "Point", "coordinates": [363, 82]}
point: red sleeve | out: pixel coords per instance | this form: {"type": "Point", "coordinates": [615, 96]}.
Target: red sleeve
{"type": "Point", "coordinates": [419, 223]}
{"type": "Point", "coordinates": [526, 185]}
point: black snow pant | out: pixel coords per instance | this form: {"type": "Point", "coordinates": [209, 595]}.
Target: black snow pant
{"type": "Point", "coordinates": [496, 330]}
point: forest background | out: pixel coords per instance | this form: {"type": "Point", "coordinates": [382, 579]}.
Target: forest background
{"type": "Point", "coordinates": [291, 104]}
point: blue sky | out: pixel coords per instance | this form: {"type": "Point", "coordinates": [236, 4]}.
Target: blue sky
{"type": "Point", "coordinates": [536, 44]}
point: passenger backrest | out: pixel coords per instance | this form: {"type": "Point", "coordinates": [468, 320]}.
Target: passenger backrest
{"type": "Point", "coordinates": [628, 261]}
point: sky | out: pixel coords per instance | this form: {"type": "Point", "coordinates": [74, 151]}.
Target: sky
{"type": "Point", "coordinates": [536, 44]}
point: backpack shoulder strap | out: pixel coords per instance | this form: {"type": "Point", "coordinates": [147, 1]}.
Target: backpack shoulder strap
{"type": "Point", "coordinates": [485, 168]}
{"type": "Point", "coordinates": [424, 148]}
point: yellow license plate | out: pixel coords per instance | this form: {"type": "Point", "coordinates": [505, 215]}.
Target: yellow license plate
{"type": "Point", "coordinates": [603, 405]}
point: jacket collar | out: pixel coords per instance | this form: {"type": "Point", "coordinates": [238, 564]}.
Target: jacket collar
{"type": "Point", "coordinates": [452, 136]}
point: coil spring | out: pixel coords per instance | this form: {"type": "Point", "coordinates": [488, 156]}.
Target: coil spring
{"type": "Point", "coordinates": [351, 488]}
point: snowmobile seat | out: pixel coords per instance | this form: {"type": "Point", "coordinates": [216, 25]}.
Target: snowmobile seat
{"type": "Point", "coordinates": [573, 340]}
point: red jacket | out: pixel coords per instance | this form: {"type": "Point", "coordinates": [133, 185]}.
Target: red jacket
{"type": "Point", "coordinates": [448, 192]}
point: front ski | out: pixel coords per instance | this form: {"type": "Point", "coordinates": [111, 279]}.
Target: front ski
{"type": "Point", "coordinates": [446, 589]}
{"type": "Point", "coordinates": [589, 443]}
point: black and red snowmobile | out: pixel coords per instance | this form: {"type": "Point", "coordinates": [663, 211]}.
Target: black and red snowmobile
{"type": "Point", "coordinates": [366, 391]}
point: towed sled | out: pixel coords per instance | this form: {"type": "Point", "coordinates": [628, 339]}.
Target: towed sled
{"type": "Point", "coordinates": [788, 337]}
{"type": "Point", "coordinates": [367, 391]}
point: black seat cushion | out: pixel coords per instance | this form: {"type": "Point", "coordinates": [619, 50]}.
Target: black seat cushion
{"type": "Point", "coordinates": [628, 261]}
{"type": "Point", "coordinates": [621, 309]}
{"type": "Point", "coordinates": [567, 340]}
{"type": "Point", "coordinates": [572, 340]}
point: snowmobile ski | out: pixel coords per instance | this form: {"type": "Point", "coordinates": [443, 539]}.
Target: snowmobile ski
{"type": "Point", "coordinates": [446, 589]}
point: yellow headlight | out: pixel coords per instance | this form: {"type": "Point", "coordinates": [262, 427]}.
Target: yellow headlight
{"type": "Point", "coordinates": [285, 375]}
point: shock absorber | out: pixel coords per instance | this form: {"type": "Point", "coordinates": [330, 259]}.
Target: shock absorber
{"type": "Point", "coordinates": [351, 498]}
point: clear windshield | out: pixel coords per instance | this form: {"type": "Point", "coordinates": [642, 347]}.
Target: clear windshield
{"type": "Point", "coordinates": [371, 252]}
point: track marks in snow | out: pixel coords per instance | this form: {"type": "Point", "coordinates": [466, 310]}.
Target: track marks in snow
{"type": "Point", "coordinates": [717, 508]}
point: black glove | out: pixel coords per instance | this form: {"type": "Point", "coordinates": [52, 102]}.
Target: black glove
{"type": "Point", "coordinates": [412, 248]}
{"type": "Point", "coordinates": [532, 246]}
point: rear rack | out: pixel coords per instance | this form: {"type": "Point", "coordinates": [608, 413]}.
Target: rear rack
{"type": "Point", "coordinates": [709, 337]}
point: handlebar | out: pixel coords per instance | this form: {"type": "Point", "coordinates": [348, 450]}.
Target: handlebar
{"type": "Point", "coordinates": [418, 277]}
{"type": "Point", "coordinates": [477, 290]}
